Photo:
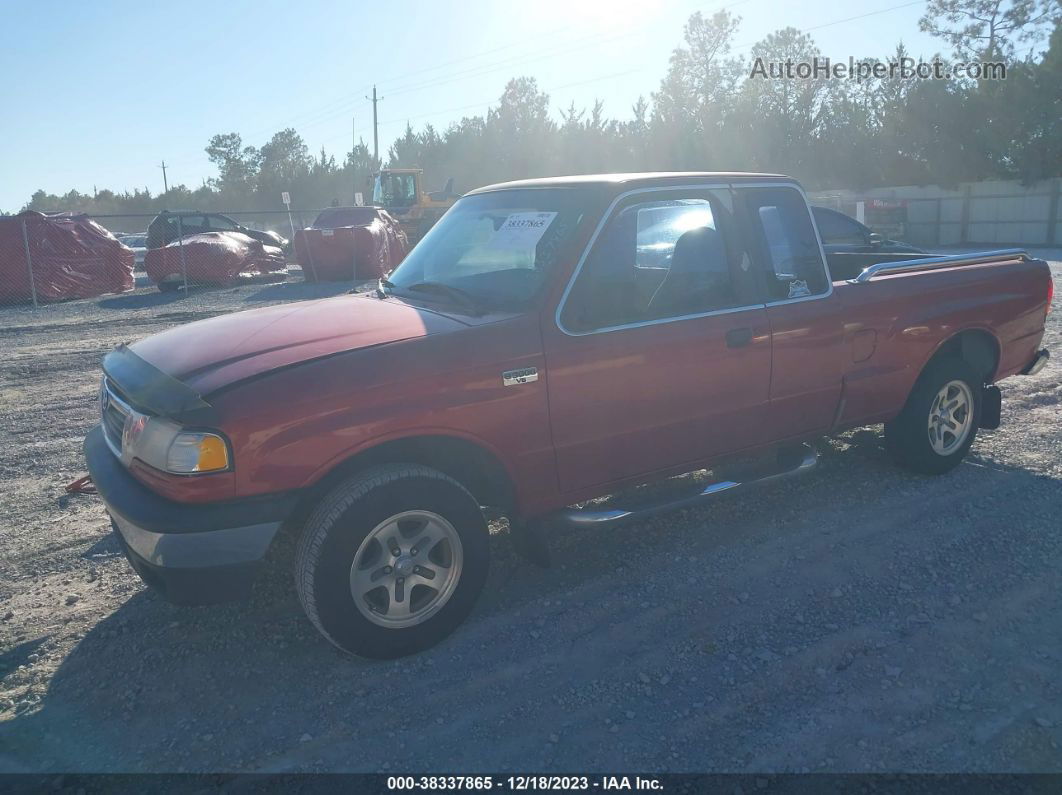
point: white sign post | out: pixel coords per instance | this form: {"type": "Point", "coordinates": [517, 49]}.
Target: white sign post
{"type": "Point", "coordinates": [359, 199]}
{"type": "Point", "coordinates": [286, 198]}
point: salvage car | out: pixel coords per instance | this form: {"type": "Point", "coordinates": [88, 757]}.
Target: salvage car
{"type": "Point", "coordinates": [850, 244]}
{"type": "Point", "coordinates": [138, 245]}
{"type": "Point", "coordinates": [547, 343]}
{"type": "Point", "coordinates": [169, 226]}
{"type": "Point", "coordinates": [350, 243]}
{"type": "Point", "coordinates": [211, 258]}
{"type": "Point", "coordinates": [60, 257]}
{"type": "Point", "coordinates": [846, 233]}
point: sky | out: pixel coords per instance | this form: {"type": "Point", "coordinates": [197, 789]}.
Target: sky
{"type": "Point", "coordinates": [99, 94]}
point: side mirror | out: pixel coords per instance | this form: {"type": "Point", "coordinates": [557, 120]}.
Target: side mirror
{"type": "Point", "coordinates": [875, 239]}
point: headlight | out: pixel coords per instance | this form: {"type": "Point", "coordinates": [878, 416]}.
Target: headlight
{"type": "Point", "coordinates": [165, 446]}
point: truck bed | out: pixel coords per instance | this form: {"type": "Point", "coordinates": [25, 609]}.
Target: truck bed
{"type": "Point", "coordinates": [898, 313]}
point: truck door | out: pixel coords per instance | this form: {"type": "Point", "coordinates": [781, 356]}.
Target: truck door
{"type": "Point", "coordinates": [660, 353]}
{"type": "Point", "coordinates": [809, 355]}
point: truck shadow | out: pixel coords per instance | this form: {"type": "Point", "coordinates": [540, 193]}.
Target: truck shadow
{"type": "Point", "coordinates": [152, 678]}
{"type": "Point", "coordinates": [154, 687]}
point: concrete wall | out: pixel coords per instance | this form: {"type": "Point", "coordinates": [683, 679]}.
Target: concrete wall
{"type": "Point", "coordinates": [995, 212]}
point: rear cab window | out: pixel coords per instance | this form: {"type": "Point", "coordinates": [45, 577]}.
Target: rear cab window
{"type": "Point", "coordinates": [785, 246]}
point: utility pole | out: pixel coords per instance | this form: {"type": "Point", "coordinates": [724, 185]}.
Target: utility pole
{"type": "Point", "coordinates": [165, 184]}
{"type": "Point", "coordinates": [353, 149]}
{"type": "Point", "coordinates": [375, 127]}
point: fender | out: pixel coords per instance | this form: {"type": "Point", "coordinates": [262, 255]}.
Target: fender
{"type": "Point", "coordinates": [376, 442]}
{"type": "Point", "coordinates": [973, 327]}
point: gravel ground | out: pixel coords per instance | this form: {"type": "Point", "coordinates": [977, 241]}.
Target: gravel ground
{"type": "Point", "coordinates": [857, 619]}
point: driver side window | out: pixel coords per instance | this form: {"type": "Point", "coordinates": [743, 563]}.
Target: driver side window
{"type": "Point", "coordinates": [656, 260]}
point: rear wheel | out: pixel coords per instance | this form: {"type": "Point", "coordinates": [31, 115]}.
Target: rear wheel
{"type": "Point", "coordinates": [392, 560]}
{"type": "Point", "coordinates": [940, 419]}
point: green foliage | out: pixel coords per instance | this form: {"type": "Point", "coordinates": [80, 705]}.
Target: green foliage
{"type": "Point", "coordinates": [987, 30]}
{"type": "Point", "coordinates": [708, 114]}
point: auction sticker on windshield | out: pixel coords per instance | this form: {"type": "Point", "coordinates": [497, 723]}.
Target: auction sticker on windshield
{"type": "Point", "coordinates": [521, 231]}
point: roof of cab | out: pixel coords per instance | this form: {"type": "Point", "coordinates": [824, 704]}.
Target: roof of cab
{"type": "Point", "coordinates": [634, 180]}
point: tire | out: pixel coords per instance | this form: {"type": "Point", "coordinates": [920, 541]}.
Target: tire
{"type": "Point", "coordinates": [911, 439]}
{"type": "Point", "coordinates": [344, 548]}
{"type": "Point", "coordinates": [168, 287]}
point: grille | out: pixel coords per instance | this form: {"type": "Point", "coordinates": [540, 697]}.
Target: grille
{"type": "Point", "coordinates": [113, 415]}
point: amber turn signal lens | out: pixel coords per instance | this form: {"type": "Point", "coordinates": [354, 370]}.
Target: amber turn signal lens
{"type": "Point", "coordinates": [197, 452]}
{"type": "Point", "coordinates": [213, 454]}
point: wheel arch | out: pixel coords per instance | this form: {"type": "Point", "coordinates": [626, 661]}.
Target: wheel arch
{"type": "Point", "coordinates": [977, 346]}
{"type": "Point", "coordinates": [469, 462]}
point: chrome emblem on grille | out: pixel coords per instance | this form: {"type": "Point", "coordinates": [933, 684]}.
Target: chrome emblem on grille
{"type": "Point", "coordinates": [523, 376]}
{"type": "Point", "coordinates": [134, 426]}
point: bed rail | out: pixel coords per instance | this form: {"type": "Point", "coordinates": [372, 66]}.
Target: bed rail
{"type": "Point", "coordinates": [931, 263]}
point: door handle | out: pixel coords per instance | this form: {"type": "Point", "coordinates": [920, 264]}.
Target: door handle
{"type": "Point", "coordinates": [737, 337]}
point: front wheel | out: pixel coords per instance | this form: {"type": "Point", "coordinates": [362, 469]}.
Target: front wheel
{"type": "Point", "coordinates": [392, 560]}
{"type": "Point", "coordinates": [940, 419]}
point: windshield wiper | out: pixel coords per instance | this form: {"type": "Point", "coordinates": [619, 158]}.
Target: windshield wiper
{"type": "Point", "coordinates": [455, 293]}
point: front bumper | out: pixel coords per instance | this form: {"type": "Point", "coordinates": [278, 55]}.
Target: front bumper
{"type": "Point", "coordinates": [191, 553]}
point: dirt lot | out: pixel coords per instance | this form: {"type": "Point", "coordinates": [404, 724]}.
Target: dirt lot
{"type": "Point", "coordinates": [860, 618]}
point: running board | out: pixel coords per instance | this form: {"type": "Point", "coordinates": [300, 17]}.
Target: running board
{"type": "Point", "coordinates": [588, 517]}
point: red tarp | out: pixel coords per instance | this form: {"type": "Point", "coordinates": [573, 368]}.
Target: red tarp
{"type": "Point", "coordinates": [212, 258]}
{"type": "Point", "coordinates": [348, 243]}
{"type": "Point", "coordinates": [71, 256]}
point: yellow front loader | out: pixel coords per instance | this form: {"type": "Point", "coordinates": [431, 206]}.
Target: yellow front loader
{"type": "Point", "coordinates": [401, 192]}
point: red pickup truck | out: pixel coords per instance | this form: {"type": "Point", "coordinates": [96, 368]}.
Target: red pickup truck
{"type": "Point", "coordinates": [547, 343]}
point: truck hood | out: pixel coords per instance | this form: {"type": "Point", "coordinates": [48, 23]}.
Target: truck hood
{"type": "Point", "coordinates": [210, 354]}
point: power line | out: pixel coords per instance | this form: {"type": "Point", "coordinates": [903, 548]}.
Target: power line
{"type": "Point", "coordinates": [342, 107]}
{"type": "Point", "coordinates": [641, 69]}
{"type": "Point", "coordinates": [332, 110]}
{"type": "Point", "coordinates": [488, 102]}
{"type": "Point", "coordinates": [331, 105]}
{"type": "Point", "coordinates": [544, 54]}
{"type": "Point", "coordinates": [842, 21]}
{"type": "Point", "coordinates": [492, 101]}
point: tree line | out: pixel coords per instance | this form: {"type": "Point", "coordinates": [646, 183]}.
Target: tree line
{"type": "Point", "coordinates": [710, 112]}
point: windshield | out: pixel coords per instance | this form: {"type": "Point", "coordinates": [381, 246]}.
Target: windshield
{"type": "Point", "coordinates": [496, 247]}
{"type": "Point", "coordinates": [395, 190]}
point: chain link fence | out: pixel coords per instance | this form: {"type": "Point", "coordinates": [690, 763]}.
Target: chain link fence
{"type": "Point", "coordinates": [151, 261]}
{"type": "Point", "coordinates": [214, 261]}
